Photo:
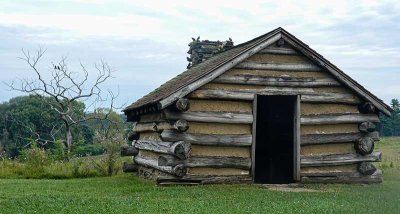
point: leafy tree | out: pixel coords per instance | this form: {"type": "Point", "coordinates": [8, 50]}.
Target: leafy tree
{"type": "Point", "coordinates": [27, 120]}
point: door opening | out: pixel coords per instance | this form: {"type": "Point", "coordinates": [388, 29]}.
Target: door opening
{"type": "Point", "coordinates": [275, 139]}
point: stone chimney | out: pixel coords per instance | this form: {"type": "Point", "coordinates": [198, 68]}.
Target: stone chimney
{"type": "Point", "coordinates": [205, 49]}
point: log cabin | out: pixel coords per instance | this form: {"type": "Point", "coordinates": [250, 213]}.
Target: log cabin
{"type": "Point", "coordinates": [271, 111]}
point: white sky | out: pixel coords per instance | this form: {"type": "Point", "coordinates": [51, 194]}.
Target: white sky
{"type": "Point", "coordinates": [146, 41]}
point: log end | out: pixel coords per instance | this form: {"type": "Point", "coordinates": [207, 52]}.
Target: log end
{"type": "Point", "coordinates": [367, 127]}
{"type": "Point", "coordinates": [129, 151]}
{"type": "Point", "coordinates": [179, 170]}
{"type": "Point", "coordinates": [365, 146]}
{"type": "Point", "coordinates": [132, 135]}
{"type": "Point", "coordinates": [182, 150]}
{"type": "Point", "coordinates": [181, 125]}
{"type": "Point", "coordinates": [129, 167]}
{"type": "Point", "coordinates": [366, 168]}
{"type": "Point", "coordinates": [182, 104]}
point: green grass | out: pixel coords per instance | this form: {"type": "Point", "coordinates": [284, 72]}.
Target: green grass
{"type": "Point", "coordinates": [127, 193]}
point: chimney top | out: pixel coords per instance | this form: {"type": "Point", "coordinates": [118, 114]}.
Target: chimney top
{"type": "Point", "coordinates": [200, 51]}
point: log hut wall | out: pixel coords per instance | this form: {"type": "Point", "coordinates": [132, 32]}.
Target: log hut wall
{"type": "Point", "coordinates": [337, 127]}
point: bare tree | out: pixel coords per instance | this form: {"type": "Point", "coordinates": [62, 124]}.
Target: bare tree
{"type": "Point", "coordinates": [66, 88]}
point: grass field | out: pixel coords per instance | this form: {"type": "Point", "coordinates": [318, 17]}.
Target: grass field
{"type": "Point", "coordinates": [126, 193]}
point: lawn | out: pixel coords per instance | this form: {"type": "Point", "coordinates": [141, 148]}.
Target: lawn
{"type": "Point", "coordinates": [127, 193]}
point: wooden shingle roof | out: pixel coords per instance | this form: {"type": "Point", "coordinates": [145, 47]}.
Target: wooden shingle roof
{"type": "Point", "coordinates": [185, 82]}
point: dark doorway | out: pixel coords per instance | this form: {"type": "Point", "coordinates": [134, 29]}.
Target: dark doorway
{"type": "Point", "coordinates": [274, 145]}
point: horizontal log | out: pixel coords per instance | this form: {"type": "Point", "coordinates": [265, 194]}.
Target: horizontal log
{"type": "Point", "coordinates": [129, 151]}
{"type": "Point", "coordinates": [179, 149]}
{"type": "Point", "coordinates": [377, 177]}
{"type": "Point", "coordinates": [278, 66]}
{"type": "Point", "coordinates": [338, 159]}
{"type": "Point", "coordinates": [273, 50]}
{"type": "Point", "coordinates": [367, 127]}
{"type": "Point", "coordinates": [211, 117]}
{"type": "Point", "coordinates": [145, 127]}
{"type": "Point", "coordinates": [307, 96]}
{"type": "Point", "coordinates": [277, 81]}
{"type": "Point", "coordinates": [213, 162]}
{"type": "Point", "coordinates": [310, 139]}
{"type": "Point", "coordinates": [330, 98]}
{"type": "Point", "coordinates": [328, 173]}
{"type": "Point", "coordinates": [337, 119]}
{"type": "Point", "coordinates": [179, 125]}
{"type": "Point", "coordinates": [178, 170]}
{"type": "Point", "coordinates": [208, 139]}
{"type": "Point", "coordinates": [129, 167]}
{"type": "Point", "coordinates": [204, 179]}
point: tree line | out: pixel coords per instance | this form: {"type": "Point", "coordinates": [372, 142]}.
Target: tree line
{"type": "Point", "coordinates": [390, 126]}
{"type": "Point", "coordinates": [27, 121]}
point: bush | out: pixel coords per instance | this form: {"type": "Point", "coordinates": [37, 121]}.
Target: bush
{"type": "Point", "coordinates": [107, 164]}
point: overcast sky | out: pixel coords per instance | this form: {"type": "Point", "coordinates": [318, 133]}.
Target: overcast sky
{"type": "Point", "coordinates": [145, 42]}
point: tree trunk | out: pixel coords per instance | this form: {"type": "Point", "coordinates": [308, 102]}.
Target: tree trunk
{"type": "Point", "coordinates": [68, 141]}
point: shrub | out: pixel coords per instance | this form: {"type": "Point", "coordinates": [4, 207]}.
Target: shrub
{"type": "Point", "coordinates": [108, 163]}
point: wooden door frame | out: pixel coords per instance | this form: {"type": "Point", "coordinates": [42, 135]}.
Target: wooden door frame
{"type": "Point", "coordinates": [296, 138]}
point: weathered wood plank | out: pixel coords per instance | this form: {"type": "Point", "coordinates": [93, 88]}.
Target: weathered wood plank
{"type": "Point", "coordinates": [208, 171]}
{"type": "Point", "coordinates": [338, 118]}
{"type": "Point", "coordinates": [296, 139]}
{"type": "Point", "coordinates": [330, 98]}
{"type": "Point", "coordinates": [220, 151]}
{"type": "Point", "coordinates": [145, 127]}
{"type": "Point", "coordinates": [336, 138]}
{"type": "Point", "coordinates": [279, 66]}
{"type": "Point", "coordinates": [327, 108]}
{"type": "Point", "coordinates": [211, 117]}
{"type": "Point", "coordinates": [179, 125]}
{"type": "Point", "coordinates": [276, 50]}
{"type": "Point", "coordinates": [205, 179]}
{"type": "Point", "coordinates": [213, 162]}
{"type": "Point", "coordinates": [248, 95]}
{"type": "Point", "coordinates": [377, 177]}
{"type": "Point", "coordinates": [276, 81]}
{"type": "Point", "coordinates": [178, 170]}
{"type": "Point", "coordinates": [344, 170]}
{"type": "Point", "coordinates": [179, 149]}
{"type": "Point", "coordinates": [338, 159]}
{"type": "Point", "coordinates": [220, 106]}
{"type": "Point", "coordinates": [208, 139]}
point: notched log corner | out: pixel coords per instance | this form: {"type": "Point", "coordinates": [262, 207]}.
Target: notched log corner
{"type": "Point", "coordinates": [366, 168]}
{"type": "Point", "coordinates": [365, 145]}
